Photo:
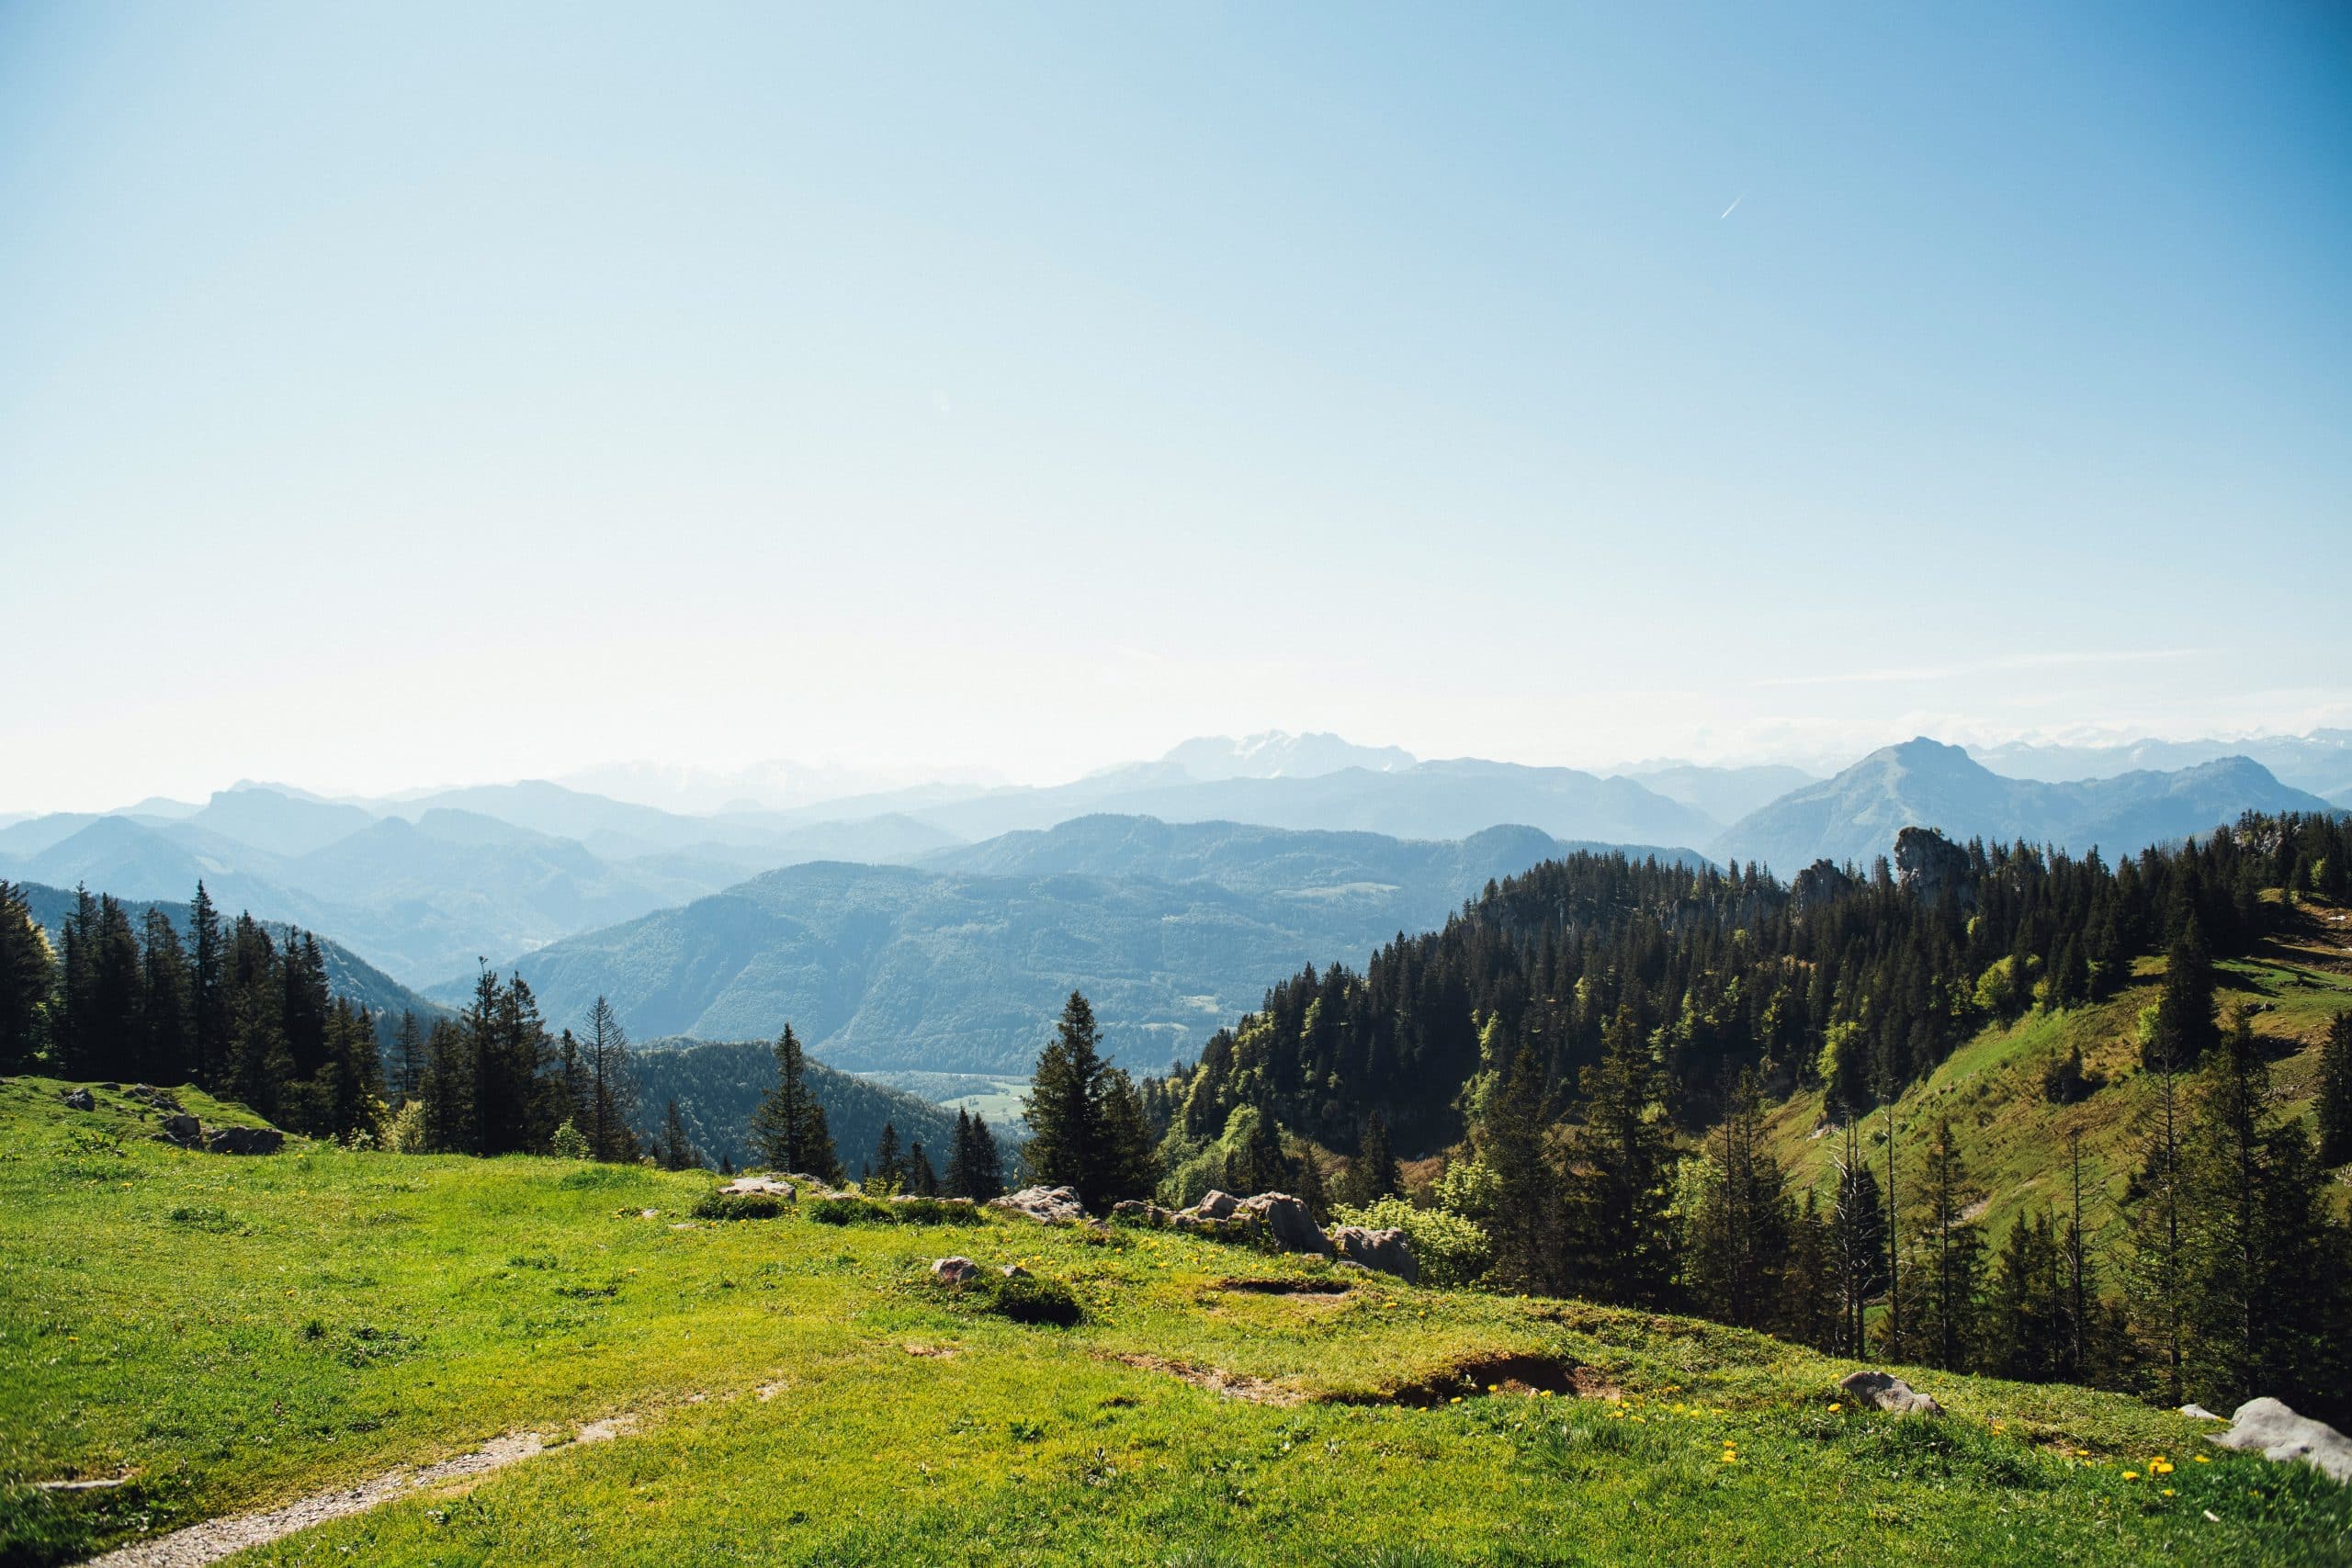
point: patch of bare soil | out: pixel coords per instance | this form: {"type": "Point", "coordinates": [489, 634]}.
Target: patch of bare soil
{"type": "Point", "coordinates": [1480, 1375]}
{"type": "Point", "coordinates": [216, 1538]}
{"type": "Point", "coordinates": [1229, 1386]}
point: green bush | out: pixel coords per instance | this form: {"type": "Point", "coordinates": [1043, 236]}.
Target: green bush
{"type": "Point", "coordinates": [1034, 1300]}
{"type": "Point", "coordinates": [1451, 1248]}
{"type": "Point", "coordinates": [739, 1206]}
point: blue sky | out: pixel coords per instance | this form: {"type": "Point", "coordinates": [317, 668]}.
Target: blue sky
{"type": "Point", "coordinates": [436, 393]}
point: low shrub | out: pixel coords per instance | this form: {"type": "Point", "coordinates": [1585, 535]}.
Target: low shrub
{"type": "Point", "coordinates": [848, 1212]}
{"type": "Point", "coordinates": [1033, 1301]}
{"type": "Point", "coordinates": [739, 1206]}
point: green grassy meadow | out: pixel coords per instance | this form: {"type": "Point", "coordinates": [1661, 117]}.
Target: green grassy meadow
{"type": "Point", "coordinates": [236, 1332]}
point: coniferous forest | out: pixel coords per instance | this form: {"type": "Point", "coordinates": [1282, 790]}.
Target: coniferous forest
{"type": "Point", "coordinates": [1594, 1046]}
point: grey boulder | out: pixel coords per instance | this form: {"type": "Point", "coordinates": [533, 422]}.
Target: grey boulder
{"type": "Point", "coordinates": [953, 1270]}
{"type": "Point", "coordinates": [1885, 1391]}
{"type": "Point", "coordinates": [245, 1140]}
{"type": "Point", "coordinates": [1046, 1205]}
{"type": "Point", "coordinates": [1390, 1251]}
{"type": "Point", "coordinates": [1216, 1205]}
{"type": "Point", "coordinates": [2280, 1435]}
{"type": "Point", "coordinates": [747, 1186]}
{"type": "Point", "coordinates": [80, 1100]}
{"type": "Point", "coordinates": [183, 1129]}
{"type": "Point", "coordinates": [1288, 1221]}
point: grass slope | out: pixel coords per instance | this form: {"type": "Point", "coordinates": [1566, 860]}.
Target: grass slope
{"type": "Point", "coordinates": [233, 1334]}
{"type": "Point", "coordinates": [2014, 1139]}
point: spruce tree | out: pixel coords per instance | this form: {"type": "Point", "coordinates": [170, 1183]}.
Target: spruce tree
{"type": "Point", "coordinates": [2025, 1320]}
{"type": "Point", "coordinates": [26, 980]}
{"type": "Point", "coordinates": [2335, 1092]}
{"type": "Point", "coordinates": [974, 1167]}
{"type": "Point", "coordinates": [677, 1152]}
{"type": "Point", "coordinates": [1372, 1174]}
{"type": "Point", "coordinates": [208, 989]}
{"type": "Point", "coordinates": [1858, 1245]}
{"type": "Point", "coordinates": [1947, 1265]}
{"type": "Point", "coordinates": [1736, 1251]}
{"type": "Point", "coordinates": [1525, 1227]}
{"type": "Point", "coordinates": [2156, 1204]}
{"type": "Point", "coordinates": [888, 1171]}
{"type": "Point", "coordinates": [1087, 1129]}
{"type": "Point", "coordinates": [921, 1180]}
{"type": "Point", "coordinates": [2257, 1240]}
{"type": "Point", "coordinates": [2185, 1025]}
{"type": "Point", "coordinates": [789, 1129]}
{"type": "Point", "coordinates": [165, 1003]}
{"type": "Point", "coordinates": [1624, 1166]}
{"type": "Point", "coordinates": [407, 1077]}
{"type": "Point", "coordinates": [612, 1087]}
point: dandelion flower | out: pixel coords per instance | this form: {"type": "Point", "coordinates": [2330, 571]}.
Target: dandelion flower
{"type": "Point", "coordinates": [2131, 1475]}
{"type": "Point", "coordinates": [2202, 1459]}
{"type": "Point", "coordinates": [2167, 1491]}
{"type": "Point", "coordinates": [1833, 1409]}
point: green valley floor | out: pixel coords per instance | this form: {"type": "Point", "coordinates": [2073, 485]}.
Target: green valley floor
{"type": "Point", "coordinates": [221, 1335]}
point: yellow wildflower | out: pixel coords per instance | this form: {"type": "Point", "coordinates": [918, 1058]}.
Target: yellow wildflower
{"type": "Point", "coordinates": [2202, 1459]}
{"type": "Point", "coordinates": [1833, 1409]}
{"type": "Point", "coordinates": [2131, 1475]}
{"type": "Point", "coordinates": [2167, 1491]}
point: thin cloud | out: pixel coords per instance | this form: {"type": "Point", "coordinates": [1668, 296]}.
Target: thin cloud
{"type": "Point", "coordinates": [1734, 205]}
{"type": "Point", "coordinates": [1982, 667]}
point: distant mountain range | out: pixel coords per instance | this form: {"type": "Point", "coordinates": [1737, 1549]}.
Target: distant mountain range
{"type": "Point", "coordinates": [424, 885]}
{"type": "Point", "coordinates": [2319, 763]}
{"type": "Point", "coordinates": [428, 885]}
{"type": "Point", "coordinates": [1855, 815]}
{"type": "Point", "coordinates": [960, 963]}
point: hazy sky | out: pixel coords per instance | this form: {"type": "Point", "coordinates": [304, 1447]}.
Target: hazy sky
{"type": "Point", "coordinates": [397, 394]}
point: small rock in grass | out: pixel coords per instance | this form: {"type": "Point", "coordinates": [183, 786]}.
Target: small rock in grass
{"type": "Point", "coordinates": [2200, 1413]}
{"type": "Point", "coordinates": [79, 1100]}
{"type": "Point", "coordinates": [1885, 1391]}
{"type": "Point", "coordinates": [2280, 1435]}
{"type": "Point", "coordinates": [1013, 1271]}
{"type": "Point", "coordinates": [953, 1270]}
{"type": "Point", "coordinates": [1388, 1250]}
{"type": "Point", "coordinates": [245, 1140]}
{"type": "Point", "coordinates": [183, 1129]}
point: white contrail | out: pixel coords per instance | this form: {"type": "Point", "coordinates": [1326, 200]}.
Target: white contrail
{"type": "Point", "coordinates": [1735, 203]}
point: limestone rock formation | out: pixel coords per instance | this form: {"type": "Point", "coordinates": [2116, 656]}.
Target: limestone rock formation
{"type": "Point", "coordinates": [1885, 1391]}
{"type": "Point", "coordinates": [1390, 1251]}
{"type": "Point", "coordinates": [1927, 864]}
{"type": "Point", "coordinates": [1046, 1205]}
{"type": "Point", "coordinates": [2269, 1427]}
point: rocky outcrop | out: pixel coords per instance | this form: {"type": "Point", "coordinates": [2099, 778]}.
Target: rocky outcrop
{"type": "Point", "coordinates": [1927, 865]}
{"type": "Point", "coordinates": [79, 1100]}
{"type": "Point", "coordinates": [245, 1140]}
{"type": "Point", "coordinates": [953, 1270]}
{"type": "Point", "coordinates": [764, 1186]}
{"type": "Point", "coordinates": [1390, 1251]}
{"type": "Point", "coordinates": [2269, 1427]}
{"type": "Point", "coordinates": [1819, 882]}
{"type": "Point", "coordinates": [1288, 1221]}
{"type": "Point", "coordinates": [1885, 1391]}
{"type": "Point", "coordinates": [149, 1095]}
{"type": "Point", "coordinates": [1046, 1205]}
{"type": "Point", "coordinates": [184, 1130]}
{"type": "Point", "coordinates": [1216, 1205]}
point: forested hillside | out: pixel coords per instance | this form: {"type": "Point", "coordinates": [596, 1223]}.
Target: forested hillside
{"type": "Point", "coordinates": [717, 1086]}
{"type": "Point", "coordinates": [961, 965]}
{"type": "Point", "coordinates": [1595, 1046]}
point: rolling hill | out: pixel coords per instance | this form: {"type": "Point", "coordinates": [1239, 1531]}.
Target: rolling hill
{"type": "Point", "coordinates": [1855, 815]}
{"type": "Point", "coordinates": [961, 964]}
